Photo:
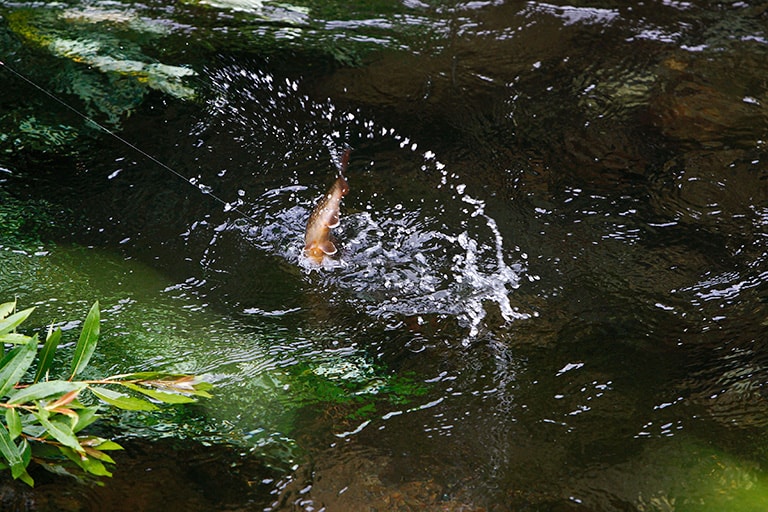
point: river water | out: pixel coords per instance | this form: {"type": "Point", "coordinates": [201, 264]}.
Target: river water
{"type": "Point", "coordinates": [552, 286]}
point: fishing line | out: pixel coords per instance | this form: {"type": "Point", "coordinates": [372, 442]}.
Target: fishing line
{"type": "Point", "coordinates": [227, 206]}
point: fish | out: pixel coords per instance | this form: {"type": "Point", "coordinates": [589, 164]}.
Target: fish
{"type": "Point", "coordinates": [319, 242]}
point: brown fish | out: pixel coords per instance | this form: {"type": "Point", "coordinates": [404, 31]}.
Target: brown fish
{"type": "Point", "coordinates": [318, 240]}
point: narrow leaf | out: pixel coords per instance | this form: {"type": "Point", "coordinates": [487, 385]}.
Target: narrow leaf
{"type": "Point", "coordinates": [25, 450]}
{"type": "Point", "coordinates": [6, 309]}
{"type": "Point", "coordinates": [24, 476]}
{"type": "Point", "coordinates": [65, 399]}
{"type": "Point", "coordinates": [202, 387]}
{"type": "Point", "coordinates": [44, 390]}
{"type": "Point", "coordinates": [69, 413]}
{"type": "Point", "coordinates": [15, 338]}
{"type": "Point", "coordinates": [176, 382]}
{"type": "Point", "coordinates": [99, 443]}
{"type": "Point", "coordinates": [121, 400]}
{"type": "Point", "coordinates": [95, 467]}
{"type": "Point", "coordinates": [87, 342]}
{"type": "Point", "coordinates": [85, 417]}
{"type": "Point", "coordinates": [92, 466]}
{"type": "Point", "coordinates": [163, 396]}
{"type": "Point", "coordinates": [45, 358]}
{"type": "Point", "coordinates": [13, 420]}
{"type": "Point", "coordinates": [59, 431]}
{"type": "Point", "coordinates": [13, 455]}
{"type": "Point", "coordinates": [8, 448]}
{"type": "Point", "coordinates": [98, 454]}
{"type": "Point", "coordinates": [106, 444]}
{"type": "Point", "coordinates": [13, 321]}
{"type": "Point", "coordinates": [15, 364]}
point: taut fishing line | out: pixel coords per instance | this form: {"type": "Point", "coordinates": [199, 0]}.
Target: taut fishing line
{"type": "Point", "coordinates": [227, 206]}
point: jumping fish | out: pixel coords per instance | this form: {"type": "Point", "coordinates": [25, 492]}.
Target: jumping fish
{"type": "Point", "coordinates": [318, 240]}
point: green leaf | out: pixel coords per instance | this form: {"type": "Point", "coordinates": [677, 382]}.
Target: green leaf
{"type": "Point", "coordinates": [15, 364]}
{"type": "Point", "coordinates": [87, 342]}
{"type": "Point", "coordinates": [13, 455]}
{"type": "Point", "coordinates": [176, 382]}
{"type": "Point", "coordinates": [7, 447]}
{"type": "Point", "coordinates": [59, 430]}
{"type": "Point", "coordinates": [26, 457]}
{"type": "Point", "coordinates": [45, 359]}
{"type": "Point", "coordinates": [106, 444]}
{"type": "Point", "coordinates": [98, 455]}
{"type": "Point", "coordinates": [13, 420]}
{"type": "Point", "coordinates": [13, 321]}
{"type": "Point", "coordinates": [24, 476]}
{"type": "Point", "coordinates": [31, 427]}
{"type": "Point", "coordinates": [92, 466]}
{"type": "Point", "coordinates": [163, 396]}
{"type": "Point", "coordinates": [85, 417]}
{"type": "Point", "coordinates": [41, 390]}
{"type": "Point", "coordinates": [201, 389]}
{"type": "Point", "coordinates": [99, 443]}
{"type": "Point", "coordinates": [7, 308]}
{"type": "Point", "coordinates": [121, 400]}
{"type": "Point", "coordinates": [14, 338]}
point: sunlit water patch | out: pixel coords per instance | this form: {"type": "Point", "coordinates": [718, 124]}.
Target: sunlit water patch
{"type": "Point", "coordinates": [414, 240]}
{"type": "Point", "coordinates": [263, 374]}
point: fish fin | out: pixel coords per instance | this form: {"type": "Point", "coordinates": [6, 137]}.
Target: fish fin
{"type": "Point", "coordinates": [327, 247]}
{"type": "Point", "coordinates": [333, 220]}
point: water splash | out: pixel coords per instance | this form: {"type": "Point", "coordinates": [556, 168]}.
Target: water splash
{"type": "Point", "coordinates": [412, 265]}
{"type": "Point", "coordinates": [414, 241]}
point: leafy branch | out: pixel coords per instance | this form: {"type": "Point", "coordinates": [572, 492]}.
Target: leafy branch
{"type": "Point", "coordinates": [49, 414]}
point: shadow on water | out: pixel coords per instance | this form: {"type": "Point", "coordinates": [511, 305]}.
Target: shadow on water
{"type": "Point", "coordinates": [190, 475]}
{"type": "Point", "coordinates": [555, 238]}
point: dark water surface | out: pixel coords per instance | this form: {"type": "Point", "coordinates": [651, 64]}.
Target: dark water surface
{"type": "Point", "coordinates": [554, 289]}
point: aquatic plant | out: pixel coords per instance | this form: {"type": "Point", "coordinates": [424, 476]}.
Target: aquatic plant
{"type": "Point", "coordinates": [44, 418]}
{"type": "Point", "coordinates": [352, 381]}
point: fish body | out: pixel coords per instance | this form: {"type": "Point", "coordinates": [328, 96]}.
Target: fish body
{"type": "Point", "coordinates": [318, 239]}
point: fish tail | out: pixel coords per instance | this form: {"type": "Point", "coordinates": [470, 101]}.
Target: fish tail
{"type": "Point", "coordinates": [344, 160]}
